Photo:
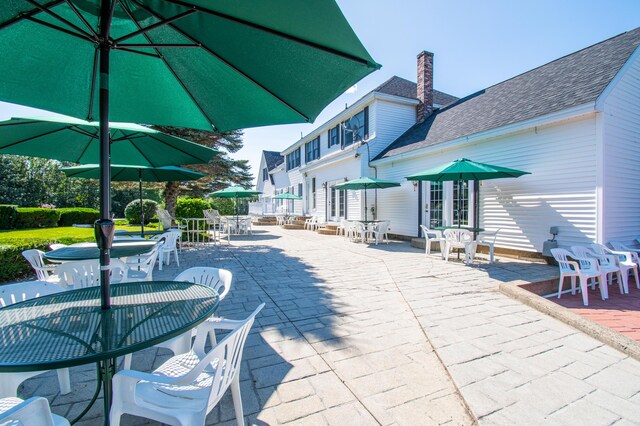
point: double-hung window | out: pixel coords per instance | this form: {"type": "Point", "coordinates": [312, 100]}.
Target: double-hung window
{"type": "Point", "coordinates": [312, 150]}
{"type": "Point", "coordinates": [334, 136]}
{"type": "Point", "coordinates": [293, 159]}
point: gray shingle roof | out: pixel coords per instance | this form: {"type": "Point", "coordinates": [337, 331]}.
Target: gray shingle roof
{"type": "Point", "coordinates": [398, 86]}
{"type": "Point", "coordinates": [273, 159]}
{"type": "Point", "coordinates": [572, 80]}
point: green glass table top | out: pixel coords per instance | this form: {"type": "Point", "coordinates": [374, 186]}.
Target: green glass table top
{"type": "Point", "coordinates": [147, 233]}
{"type": "Point", "coordinates": [88, 251]}
{"type": "Point", "coordinates": [69, 328]}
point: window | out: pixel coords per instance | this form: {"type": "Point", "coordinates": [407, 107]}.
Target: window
{"type": "Point", "coordinates": [333, 203]}
{"type": "Point", "coordinates": [300, 189]}
{"type": "Point", "coordinates": [334, 136]}
{"type": "Point", "coordinates": [359, 127]}
{"type": "Point", "coordinates": [313, 193]}
{"type": "Point", "coordinates": [464, 203]}
{"type": "Point", "coordinates": [265, 174]}
{"type": "Point", "coordinates": [293, 159]}
{"type": "Point", "coordinates": [312, 150]}
{"type": "Point", "coordinates": [343, 204]}
{"type": "Point", "coordinates": [436, 204]}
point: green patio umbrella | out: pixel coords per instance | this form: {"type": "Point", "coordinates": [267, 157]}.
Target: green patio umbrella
{"type": "Point", "coordinates": [287, 196]}
{"type": "Point", "coordinates": [236, 192]}
{"type": "Point", "coordinates": [124, 173]}
{"type": "Point", "coordinates": [186, 63]}
{"type": "Point", "coordinates": [70, 139]}
{"type": "Point", "coordinates": [366, 183]}
{"type": "Point", "coordinates": [465, 169]}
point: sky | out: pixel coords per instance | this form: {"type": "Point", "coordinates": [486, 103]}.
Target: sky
{"type": "Point", "coordinates": [476, 44]}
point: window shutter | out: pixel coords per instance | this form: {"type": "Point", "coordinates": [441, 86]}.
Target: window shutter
{"type": "Point", "coordinates": [366, 122]}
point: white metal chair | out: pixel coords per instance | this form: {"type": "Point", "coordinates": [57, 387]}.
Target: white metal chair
{"type": "Point", "coordinates": [33, 411]}
{"type": "Point", "coordinates": [432, 236]}
{"type": "Point", "coordinates": [140, 268]}
{"type": "Point", "coordinates": [608, 265]}
{"type": "Point", "coordinates": [14, 293]}
{"type": "Point", "coordinates": [43, 271]}
{"type": "Point", "coordinates": [86, 273]}
{"type": "Point", "coordinates": [219, 280]}
{"type": "Point", "coordinates": [624, 261]}
{"type": "Point", "coordinates": [488, 239]}
{"type": "Point", "coordinates": [583, 269]}
{"type": "Point", "coordinates": [183, 390]}
{"type": "Point", "coordinates": [459, 239]}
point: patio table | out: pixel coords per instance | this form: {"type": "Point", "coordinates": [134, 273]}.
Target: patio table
{"type": "Point", "coordinates": [89, 251]}
{"type": "Point", "coordinates": [69, 329]}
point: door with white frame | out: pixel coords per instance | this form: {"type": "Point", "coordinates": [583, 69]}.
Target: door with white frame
{"type": "Point", "coordinates": [336, 203]}
{"type": "Point", "coordinates": [441, 204]}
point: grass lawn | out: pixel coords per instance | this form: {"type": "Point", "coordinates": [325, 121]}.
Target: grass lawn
{"type": "Point", "coordinates": [64, 234]}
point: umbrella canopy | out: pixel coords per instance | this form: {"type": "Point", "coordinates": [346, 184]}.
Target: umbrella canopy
{"type": "Point", "coordinates": [287, 196]}
{"type": "Point", "coordinates": [125, 173]}
{"type": "Point", "coordinates": [366, 183]}
{"type": "Point", "coordinates": [70, 139]}
{"type": "Point", "coordinates": [464, 169]}
{"type": "Point", "coordinates": [235, 192]}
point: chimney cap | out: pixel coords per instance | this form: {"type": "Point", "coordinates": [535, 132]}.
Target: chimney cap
{"type": "Point", "coordinates": [425, 52]}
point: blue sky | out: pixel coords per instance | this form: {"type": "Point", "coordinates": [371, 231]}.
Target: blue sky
{"type": "Point", "coordinates": [476, 44]}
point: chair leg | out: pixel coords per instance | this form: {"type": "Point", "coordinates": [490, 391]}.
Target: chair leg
{"type": "Point", "coordinates": [623, 283]}
{"type": "Point", "coordinates": [560, 283]}
{"type": "Point", "coordinates": [584, 287]}
{"type": "Point", "coordinates": [237, 400]}
{"type": "Point", "coordinates": [491, 254]}
{"type": "Point", "coordinates": [604, 289]}
{"type": "Point", "coordinates": [573, 285]}
{"type": "Point", "coordinates": [64, 381]}
{"type": "Point", "coordinates": [126, 365]}
{"type": "Point", "coordinates": [635, 274]}
{"type": "Point", "coordinates": [175, 254]}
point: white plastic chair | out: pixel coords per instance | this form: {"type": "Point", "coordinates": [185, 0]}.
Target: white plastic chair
{"type": "Point", "coordinates": [246, 226]}
{"type": "Point", "coordinates": [432, 236]}
{"type": "Point", "coordinates": [14, 293]}
{"type": "Point", "coordinates": [219, 280]}
{"type": "Point", "coordinates": [311, 223]}
{"type": "Point", "coordinates": [31, 412]}
{"type": "Point", "coordinates": [357, 231]}
{"type": "Point", "coordinates": [43, 271]}
{"type": "Point", "coordinates": [140, 268]}
{"type": "Point", "coordinates": [56, 246]}
{"type": "Point", "coordinates": [183, 390]}
{"type": "Point", "coordinates": [608, 265]}
{"type": "Point", "coordinates": [341, 229]}
{"type": "Point", "coordinates": [86, 273]}
{"type": "Point", "coordinates": [583, 269]}
{"type": "Point", "coordinates": [624, 262]}
{"type": "Point", "coordinates": [488, 239]}
{"type": "Point", "coordinates": [459, 239]}
{"type": "Point", "coordinates": [618, 246]}
{"type": "Point", "coordinates": [170, 246]}
{"type": "Point", "coordinates": [379, 231]}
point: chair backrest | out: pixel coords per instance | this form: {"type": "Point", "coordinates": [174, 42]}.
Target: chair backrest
{"type": "Point", "coordinates": [489, 236]}
{"type": "Point", "coordinates": [165, 218]}
{"type": "Point", "coordinates": [582, 252]}
{"type": "Point", "coordinates": [145, 262]}
{"type": "Point", "coordinates": [430, 233]}
{"type": "Point", "coordinates": [617, 245]}
{"type": "Point", "coordinates": [170, 240]}
{"type": "Point", "coordinates": [19, 292]}
{"type": "Point", "coordinates": [35, 259]}
{"type": "Point", "coordinates": [562, 256]}
{"type": "Point", "coordinates": [457, 235]}
{"type": "Point", "coordinates": [212, 216]}
{"type": "Point", "coordinates": [381, 230]}
{"type": "Point", "coordinates": [86, 273]}
{"type": "Point", "coordinates": [33, 411]}
{"type": "Point", "coordinates": [217, 279]}
{"type": "Point", "coordinates": [56, 246]}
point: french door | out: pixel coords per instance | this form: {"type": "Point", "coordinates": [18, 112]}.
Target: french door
{"type": "Point", "coordinates": [443, 206]}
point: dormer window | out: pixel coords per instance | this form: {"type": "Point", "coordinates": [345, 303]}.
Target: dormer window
{"type": "Point", "coordinates": [356, 129]}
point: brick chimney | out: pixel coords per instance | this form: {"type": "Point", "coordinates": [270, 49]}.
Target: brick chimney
{"type": "Point", "coordinates": [425, 85]}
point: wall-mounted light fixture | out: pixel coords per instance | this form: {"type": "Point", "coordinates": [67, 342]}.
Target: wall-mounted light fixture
{"type": "Point", "coordinates": [415, 184]}
{"type": "Point", "coordinates": [357, 155]}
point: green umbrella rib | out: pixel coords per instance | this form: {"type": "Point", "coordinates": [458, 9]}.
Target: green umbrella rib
{"type": "Point", "coordinates": [28, 15]}
{"type": "Point", "coordinates": [60, 18]}
{"type": "Point", "coordinates": [79, 15]}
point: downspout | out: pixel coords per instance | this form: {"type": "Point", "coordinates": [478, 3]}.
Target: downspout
{"type": "Point", "coordinates": [419, 207]}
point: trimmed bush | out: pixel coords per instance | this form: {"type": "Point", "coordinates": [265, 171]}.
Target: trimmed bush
{"type": "Point", "coordinates": [8, 213]}
{"type": "Point", "coordinates": [132, 211]}
{"type": "Point", "coordinates": [191, 207]}
{"type": "Point", "coordinates": [35, 217]}
{"type": "Point", "coordinates": [224, 205]}
{"type": "Point", "coordinates": [77, 215]}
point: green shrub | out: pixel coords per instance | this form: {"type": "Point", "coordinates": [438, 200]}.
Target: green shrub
{"type": "Point", "coordinates": [77, 215]}
{"type": "Point", "coordinates": [8, 213]}
{"type": "Point", "coordinates": [224, 205]}
{"type": "Point", "coordinates": [121, 222]}
{"type": "Point", "coordinates": [191, 207]}
{"type": "Point", "coordinates": [132, 211]}
{"type": "Point", "coordinates": [36, 217]}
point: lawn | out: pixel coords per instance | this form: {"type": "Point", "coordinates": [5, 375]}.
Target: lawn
{"type": "Point", "coordinates": [64, 234]}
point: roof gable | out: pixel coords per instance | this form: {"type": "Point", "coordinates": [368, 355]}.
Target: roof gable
{"type": "Point", "coordinates": [272, 159]}
{"type": "Point", "coordinates": [570, 81]}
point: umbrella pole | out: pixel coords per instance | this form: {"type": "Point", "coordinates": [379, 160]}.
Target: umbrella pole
{"type": "Point", "coordinates": [141, 203]}
{"type": "Point", "coordinates": [365, 203]}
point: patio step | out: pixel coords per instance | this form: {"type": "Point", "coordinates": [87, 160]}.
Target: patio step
{"type": "Point", "coordinates": [293, 226]}
{"type": "Point", "coordinates": [266, 221]}
{"type": "Point", "coordinates": [326, 231]}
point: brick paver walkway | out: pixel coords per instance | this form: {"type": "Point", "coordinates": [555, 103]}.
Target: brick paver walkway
{"type": "Point", "coordinates": [356, 334]}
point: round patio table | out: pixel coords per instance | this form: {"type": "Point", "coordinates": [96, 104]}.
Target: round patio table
{"type": "Point", "coordinates": [89, 251]}
{"type": "Point", "coordinates": [70, 328]}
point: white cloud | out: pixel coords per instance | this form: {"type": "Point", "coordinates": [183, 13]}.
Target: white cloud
{"type": "Point", "coordinates": [352, 89]}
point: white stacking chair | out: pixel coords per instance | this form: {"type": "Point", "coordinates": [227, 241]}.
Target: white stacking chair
{"type": "Point", "coordinates": [56, 246]}
{"type": "Point", "coordinates": [341, 229]}
{"type": "Point", "coordinates": [14, 293]}
{"type": "Point", "coordinates": [459, 239]}
{"type": "Point", "coordinates": [184, 389]}
{"type": "Point", "coordinates": [488, 239]}
{"type": "Point", "coordinates": [31, 412]}
{"type": "Point", "coordinates": [43, 271]}
{"type": "Point", "coordinates": [380, 232]}
{"type": "Point", "coordinates": [432, 236]}
{"type": "Point", "coordinates": [86, 273]}
{"type": "Point", "coordinates": [618, 246]}
{"type": "Point", "coordinates": [583, 268]}
{"type": "Point", "coordinates": [608, 265]}
{"type": "Point", "coordinates": [170, 246]}
{"type": "Point", "coordinates": [219, 280]}
{"type": "Point", "coordinates": [624, 262]}
{"type": "Point", "coordinates": [140, 268]}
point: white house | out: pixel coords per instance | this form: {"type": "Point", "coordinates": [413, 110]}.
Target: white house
{"type": "Point", "coordinates": [272, 179]}
{"type": "Point", "coordinates": [573, 123]}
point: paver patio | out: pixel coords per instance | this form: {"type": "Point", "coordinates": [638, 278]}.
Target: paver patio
{"type": "Point", "coordinates": [356, 334]}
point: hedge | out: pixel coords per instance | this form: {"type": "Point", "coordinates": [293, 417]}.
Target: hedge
{"type": "Point", "coordinates": [36, 217]}
{"type": "Point", "coordinates": [191, 207]}
{"type": "Point", "coordinates": [8, 213]}
{"type": "Point", "coordinates": [77, 216]}
{"type": "Point", "coordinates": [132, 211]}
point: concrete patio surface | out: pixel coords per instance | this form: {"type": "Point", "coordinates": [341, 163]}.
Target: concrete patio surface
{"type": "Point", "coordinates": [357, 334]}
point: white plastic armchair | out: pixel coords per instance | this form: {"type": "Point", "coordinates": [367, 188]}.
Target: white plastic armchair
{"type": "Point", "coordinates": [459, 239]}
{"type": "Point", "coordinates": [140, 268]}
{"type": "Point", "coordinates": [33, 411]}
{"type": "Point", "coordinates": [311, 223]}
{"type": "Point", "coordinates": [608, 265]}
{"type": "Point", "coordinates": [488, 239]}
{"type": "Point", "coordinates": [43, 271]}
{"type": "Point", "coordinates": [624, 261]}
{"type": "Point", "coordinates": [170, 246]}
{"type": "Point", "coordinates": [618, 246]}
{"type": "Point", "coordinates": [583, 269]}
{"type": "Point", "coordinates": [14, 293]}
{"type": "Point", "coordinates": [183, 390]}
{"type": "Point", "coordinates": [86, 273]}
{"type": "Point", "coordinates": [380, 232]}
{"type": "Point", "coordinates": [432, 236]}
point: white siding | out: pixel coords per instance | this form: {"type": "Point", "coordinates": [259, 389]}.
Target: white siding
{"type": "Point", "coordinates": [387, 121]}
{"type": "Point", "coordinates": [561, 191]}
{"type": "Point", "coordinates": [334, 173]}
{"type": "Point", "coordinates": [621, 148]}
